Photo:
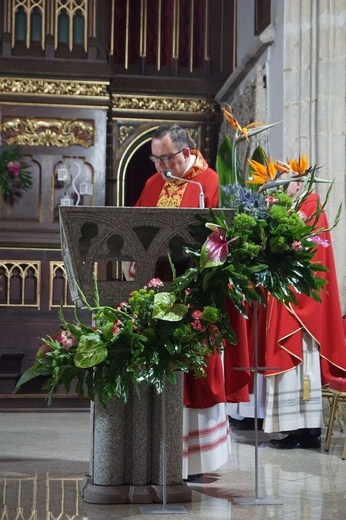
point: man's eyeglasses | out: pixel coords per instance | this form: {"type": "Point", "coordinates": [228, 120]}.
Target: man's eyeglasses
{"type": "Point", "coordinates": [164, 158]}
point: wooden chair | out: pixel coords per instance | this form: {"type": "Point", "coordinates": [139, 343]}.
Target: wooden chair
{"type": "Point", "coordinates": [337, 391]}
{"type": "Point", "coordinates": [340, 413]}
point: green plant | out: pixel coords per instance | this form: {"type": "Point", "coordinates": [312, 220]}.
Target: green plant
{"type": "Point", "coordinates": [145, 339]}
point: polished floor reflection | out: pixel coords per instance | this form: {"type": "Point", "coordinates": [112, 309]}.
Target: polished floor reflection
{"type": "Point", "coordinates": [44, 455]}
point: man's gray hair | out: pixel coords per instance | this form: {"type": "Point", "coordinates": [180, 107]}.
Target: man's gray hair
{"type": "Point", "coordinates": [178, 135]}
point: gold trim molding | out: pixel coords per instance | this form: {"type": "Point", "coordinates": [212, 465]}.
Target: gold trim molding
{"type": "Point", "coordinates": [56, 88]}
{"type": "Point", "coordinates": [160, 104]}
{"type": "Point", "coordinates": [48, 132]}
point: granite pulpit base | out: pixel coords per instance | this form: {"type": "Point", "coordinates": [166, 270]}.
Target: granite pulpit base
{"type": "Point", "coordinates": [126, 463]}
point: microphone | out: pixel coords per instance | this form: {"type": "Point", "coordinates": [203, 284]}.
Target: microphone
{"type": "Point", "coordinates": [169, 175]}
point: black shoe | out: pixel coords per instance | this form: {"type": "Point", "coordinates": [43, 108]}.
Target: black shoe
{"type": "Point", "coordinates": [193, 477]}
{"type": "Point", "coordinates": [297, 441]}
{"type": "Point", "coordinates": [288, 443]}
{"type": "Point", "coordinates": [310, 442]}
{"type": "Point", "coordinates": [289, 439]}
{"type": "Point", "coordinates": [245, 424]}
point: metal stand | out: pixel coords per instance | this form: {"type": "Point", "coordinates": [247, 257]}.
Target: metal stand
{"type": "Point", "coordinates": [162, 509]}
{"type": "Point", "coordinates": [256, 500]}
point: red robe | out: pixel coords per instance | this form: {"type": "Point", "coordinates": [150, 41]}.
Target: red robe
{"type": "Point", "coordinates": [183, 194]}
{"type": "Point", "coordinates": [208, 391]}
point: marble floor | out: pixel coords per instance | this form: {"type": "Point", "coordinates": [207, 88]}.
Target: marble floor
{"type": "Point", "coordinates": [43, 456]}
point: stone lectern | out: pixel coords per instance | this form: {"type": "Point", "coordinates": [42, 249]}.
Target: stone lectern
{"type": "Point", "coordinates": [126, 439]}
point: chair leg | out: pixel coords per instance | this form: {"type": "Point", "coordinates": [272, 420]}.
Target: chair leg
{"type": "Point", "coordinates": [333, 411]}
{"type": "Point", "coordinates": [341, 414]}
{"type": "Point", "coordinates": [344, 450]}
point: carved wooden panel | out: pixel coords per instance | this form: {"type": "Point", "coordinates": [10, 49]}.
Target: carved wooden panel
{"type": "Point", "coordinates": [61, 132]}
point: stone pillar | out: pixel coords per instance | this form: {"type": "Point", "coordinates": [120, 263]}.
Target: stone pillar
{"type": "Point", "coordinates": [315, 102]}
{"type": "Point", "coordinates": [173, 397]}
{"type": "Point", "coordinates": [126, 462]}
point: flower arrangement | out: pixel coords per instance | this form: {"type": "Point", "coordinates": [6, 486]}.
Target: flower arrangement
{"type": "Point", "coordinates": [145, 338]}
{"type": "Point", "coordinates": [14, 173]}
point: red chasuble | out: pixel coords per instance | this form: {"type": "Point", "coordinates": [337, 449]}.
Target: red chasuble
{"type": "Point", "coordinates": [201, 392]}
{"type": "Point", "coordinates": [160, 193]}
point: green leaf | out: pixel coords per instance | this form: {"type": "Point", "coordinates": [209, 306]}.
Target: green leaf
{"type": "Point", "coordinates": [90, 351]}
{"type": "Point", "coordinates": [166, 309]}
{"type": "Point", "coordinates": [228, 166]}
{"type": "Point", "coordinates": [34, 371]}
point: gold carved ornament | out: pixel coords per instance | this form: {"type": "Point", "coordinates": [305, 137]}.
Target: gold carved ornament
{"type": "Point", "coordinates": [48, 132]}
{"type": "Point", "coordinates": [45, 87]}
{"type": "Point", "coordinates": [167, 104]}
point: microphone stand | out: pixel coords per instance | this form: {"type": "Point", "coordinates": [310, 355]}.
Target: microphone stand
{"type": "Point", "coordinates": [257, 500]}
{"type": "Point", "coordinates": [169, 175]}
{"type": "Point", "coordinates": [157, 509]}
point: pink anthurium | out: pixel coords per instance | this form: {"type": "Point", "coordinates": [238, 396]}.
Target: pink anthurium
{"type": "Point", "coordinates": [215, 249]}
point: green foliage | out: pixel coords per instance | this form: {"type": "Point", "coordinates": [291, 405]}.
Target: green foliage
{"type": "Point", "coordinates": [145, 339]}
{"type": "Point", "coordinates": [271, 250]}
{"type": "Point", "coordinates": [228, 166]}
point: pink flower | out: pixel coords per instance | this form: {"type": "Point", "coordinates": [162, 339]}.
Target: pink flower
{"type": "Point", "coordinates": [155, 282]}
{"type": "Point", "coordinates": [116, 327]}
{"type": "Point", "coordinates": [66, 339]}
{"type": "Point", "coordinates": [215, 249]}
{"type": "Point", "coordinates": [14, 167]}
{"type": "Point", "coordinates": [272, 200]}
{"type": "Point", "coordinates": [121, 305]}
{"type": "Point", "coordinates": [197, 325]}
{"type": "Point", "coordinates": [320, 241]}
{"type": "Point", "coordinates": [296, 245]}
{"type": "Point", "coordinates": [197, 315]}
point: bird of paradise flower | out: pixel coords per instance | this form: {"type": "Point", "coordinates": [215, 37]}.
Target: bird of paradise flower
{"type": "Point", "coordinates": [264, 172]}
{"type": "Point", "coordinates": [227, 162]}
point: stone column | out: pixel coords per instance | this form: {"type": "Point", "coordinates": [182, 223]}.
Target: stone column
{"type": "Point", "coordinates": [315, 102]}
{"type": "Point", "coordinates": [126, 462]}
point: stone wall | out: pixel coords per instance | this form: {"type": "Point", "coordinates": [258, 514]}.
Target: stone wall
{"type": "Point", "coordinates": [315, 102]}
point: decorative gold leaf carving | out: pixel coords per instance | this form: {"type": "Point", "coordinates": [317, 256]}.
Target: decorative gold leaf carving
{"type": "Point", "coordinates": [46, 87]}
{"type": "Point", "coordinates": [193, 136]}
{"type": "Point", "coordinates": [48, 132]}
{"type": "Point", "coordinates": [166, 104]}
{"type": "Point", "coordinates": [125, 132]}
